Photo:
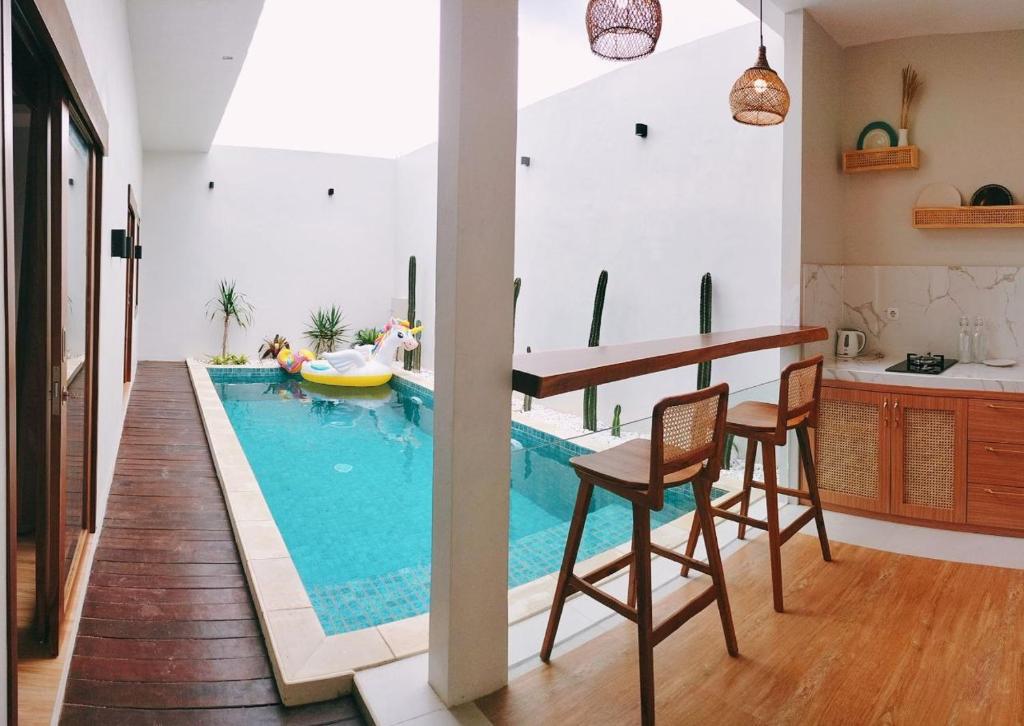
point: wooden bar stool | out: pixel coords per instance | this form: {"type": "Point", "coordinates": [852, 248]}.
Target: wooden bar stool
{"type": "Point", "coordinates": [767, 424]}
{"type": "Point", "coordinates": [687, 436]}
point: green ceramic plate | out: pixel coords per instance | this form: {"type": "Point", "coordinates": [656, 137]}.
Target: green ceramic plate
{"type": "Point", "coordinates": [876, 126]}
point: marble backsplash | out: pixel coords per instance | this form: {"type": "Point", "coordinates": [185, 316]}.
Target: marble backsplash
{"type": "Point", "coordinates": [930, 301]}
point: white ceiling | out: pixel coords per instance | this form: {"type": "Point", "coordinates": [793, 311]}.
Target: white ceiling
{"type": "Point", "coordinates": [856, 22]}
{"type": "Point", "coordinates": [182, 79]}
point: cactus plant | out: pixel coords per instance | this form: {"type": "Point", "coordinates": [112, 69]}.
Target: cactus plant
{"type": "Point", "coordinates": [409, 360]}
{"type": "Point", "coordinates": [417, 354]}
{"type": "Point", "coordinates": [704, 369]}
{"type": "Point", "coordinates": [527, 400]}
{"type": "Point", "coordinates": [617, 420]}
{"type": "Point", "coordinates": [516, 285]}
{"type": "Point", "coordinates": [590, 394]}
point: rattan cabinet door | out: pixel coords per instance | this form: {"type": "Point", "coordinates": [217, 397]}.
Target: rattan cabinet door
{"type": "Point", "coordinates": [852, 449]}
{"type": "Point", "coordinates": [929, 457]}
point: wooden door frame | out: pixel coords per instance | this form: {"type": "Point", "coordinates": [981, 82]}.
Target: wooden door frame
{"type": "Point", "coordinates": [10, 334]}
{"type": "Point", "coordinates": [50, 21]}
{"type": "Point", "coordinates": [132, 225]}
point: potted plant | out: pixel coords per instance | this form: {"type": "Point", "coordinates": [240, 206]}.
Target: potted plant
{"type": "Point", "coordinates": [327, 329]}
{"type": "Point", "coordinates": [272, 346]}
{"type": "Point", "coordinates": [365, 340]}
{"type": "Point", "coordinates": [230, 304]}
{"type": "Point", "coordinates": [229, 359]}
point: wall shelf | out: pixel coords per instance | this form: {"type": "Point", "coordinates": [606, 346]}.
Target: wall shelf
{"type": "Point", "coordinates": [968, 217]}
{"type": "Point", "coordinates": [892, 158]}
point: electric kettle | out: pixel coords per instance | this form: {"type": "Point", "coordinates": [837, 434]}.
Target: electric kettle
{"type": "Point", "coordinates": [850, 343]}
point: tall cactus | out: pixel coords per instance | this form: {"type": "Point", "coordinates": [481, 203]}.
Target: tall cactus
{"type": "Point", "coordinates": [409, 361]}
{"type": "Point", "coordinates": [516, 285]}
{"type": "Point", "coordinates": [527, 399]}
{"type": "Point", "coordinates": [417, 354]}
{"type": "Point", "coordinates": [704, 369]}
{"type": "Point", "coordinates": [590, 394]}
{"type": "Point", "coordinates": [617, 420]}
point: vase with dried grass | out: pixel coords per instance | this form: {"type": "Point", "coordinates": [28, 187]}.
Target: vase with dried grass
{"type": "Point", "coordinates": [911, 85]}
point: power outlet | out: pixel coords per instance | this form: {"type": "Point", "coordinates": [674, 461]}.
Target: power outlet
{"type": "Point", "coordinates": [892, 314]}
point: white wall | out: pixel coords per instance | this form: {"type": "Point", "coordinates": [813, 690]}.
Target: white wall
{"type": "Point", "coordinates": [967, 123]}
{"type": "Point", "coordinates": [269, 224]}
{"type": "Point", "coordinates": [102, 27]}
{"type": "Point", "coordinates": [700, 194]}
{"type": "Point", "coordinates": [820, 143]}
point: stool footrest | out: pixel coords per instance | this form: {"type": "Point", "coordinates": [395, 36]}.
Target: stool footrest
{"type": "Point", "coordinates": [739, 518]}
{"type": "Point", "coordinates": [598, 574]}
{"type": "Point", "coordinates": [788, 491]}
{"type": "Point", "coordinates": [670, 624]}
{"type": "Point", "coordinates": [796, 525]}
{"type": "Point", "coordinates": [736, 498]}
{"type": "Point", "coordinates": [681, 559]}
{"type": "Point", "coordinates": [577, 584]}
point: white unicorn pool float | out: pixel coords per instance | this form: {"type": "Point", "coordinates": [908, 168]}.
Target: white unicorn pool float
{"type": "Point", "coordinates": [353, 368]}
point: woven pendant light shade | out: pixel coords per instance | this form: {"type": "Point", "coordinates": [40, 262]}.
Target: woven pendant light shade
{"type": "Point", "coordinates": [759, 97]}
{"type": "Point", "coordinates": [623, 29]}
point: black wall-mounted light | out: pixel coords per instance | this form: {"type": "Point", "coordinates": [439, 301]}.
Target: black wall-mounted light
{"type": "Point", "coordinates": [524, 160]}
{"type": "Point", "coordinates": [211, 185]}
{"type": "Point", "coordinates": [330, 192]}
{"type": "Point", "coordinates": [120, 243]}
{"type": "Point", "coordinates": [138, 252]}
{"type": "Point", "coordinates": [641, 130]}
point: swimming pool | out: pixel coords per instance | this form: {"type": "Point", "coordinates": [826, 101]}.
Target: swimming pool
{"type": "Point", "coordinates": [347, 476]}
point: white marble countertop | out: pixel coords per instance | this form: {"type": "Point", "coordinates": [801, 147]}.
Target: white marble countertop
{"type": "Point", "coordinates": [962, 376]}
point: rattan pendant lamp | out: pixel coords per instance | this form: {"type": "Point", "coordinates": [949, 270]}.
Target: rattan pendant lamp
{"type": "Point", "coordinates": [623, 29]}
{"type": "Point", "coordinates": [759, 97]}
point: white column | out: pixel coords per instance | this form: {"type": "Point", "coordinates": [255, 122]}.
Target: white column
{"type": "Point", "coordinates": [473, 356]}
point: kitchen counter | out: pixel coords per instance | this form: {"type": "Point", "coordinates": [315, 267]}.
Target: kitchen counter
{"type": "Point", "coordinates": [962, 376]}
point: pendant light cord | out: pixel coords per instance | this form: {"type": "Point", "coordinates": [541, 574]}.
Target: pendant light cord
{"type": "Point", "coordinates": [760, 15]}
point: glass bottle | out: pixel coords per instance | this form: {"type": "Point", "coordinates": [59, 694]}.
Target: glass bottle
{"type": "Point", "coordinates": [978, 343]}
{"type": "Point", "coordinates": [964, 342]}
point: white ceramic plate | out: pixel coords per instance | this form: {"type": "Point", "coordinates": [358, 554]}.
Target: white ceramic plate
{"type": "Point", "coordinates": [1000, 362]}
{"type": "Point", "coordinates": [939, 195]}
{"type": "Point", "coordinates": [877, 139]}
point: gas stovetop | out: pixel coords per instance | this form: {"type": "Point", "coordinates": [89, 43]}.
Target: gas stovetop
{"type": "Point", "coordinates": [928, 364]}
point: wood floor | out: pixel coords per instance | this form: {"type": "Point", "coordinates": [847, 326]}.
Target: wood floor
{"type": "Point", "coordinates": [168, 632]}
{"type": "Point", "coordinates": [871, 638]}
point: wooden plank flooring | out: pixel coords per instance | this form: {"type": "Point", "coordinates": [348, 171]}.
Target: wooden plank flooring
{"type": "Point", "coordinates": [871, 638]}
{"type": "Point", "coordinates": [168, 632]}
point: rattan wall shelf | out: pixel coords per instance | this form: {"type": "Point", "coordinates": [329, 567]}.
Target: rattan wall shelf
{"type": "Point", "coordinates": [893, 158]}
{"type": "Point", "coordinates": [968, 217]}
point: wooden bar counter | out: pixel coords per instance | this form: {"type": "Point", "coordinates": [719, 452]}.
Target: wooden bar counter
{"type": "Point", "coordinates": [548, 373]}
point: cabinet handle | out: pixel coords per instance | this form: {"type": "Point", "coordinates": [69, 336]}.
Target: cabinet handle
{"type": "Point", "coordinates": [993, 450]}
{"type": "Point", "coordinates": [896, 412]}
{"type": "Point", "coordinates": [997, 407]}
{"type": "Point", "coordinates": [885, 412]}
{"type": "Point", "coordinates": [1000, 494]}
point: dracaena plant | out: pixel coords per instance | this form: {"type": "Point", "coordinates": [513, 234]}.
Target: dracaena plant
{"type": "Point", "coordinates": [229, 305]}
{"type": "Point", "coordinates": [272, 346]}
{"type": "Point", "coordinates": [327, 329]}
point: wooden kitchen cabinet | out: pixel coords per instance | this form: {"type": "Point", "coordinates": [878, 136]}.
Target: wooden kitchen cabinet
{"type": "Point", "coordinates": [928, 467]}
{"type": "Point", "coordinates": [892, 453]}
{"type": "Point", "coordinates": [852, 449]}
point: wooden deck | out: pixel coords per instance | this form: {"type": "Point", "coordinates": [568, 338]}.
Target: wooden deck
{"type": "Point", "coordinates": [168, 632]}
{"type": "Point", "coordinates": [871, 638]}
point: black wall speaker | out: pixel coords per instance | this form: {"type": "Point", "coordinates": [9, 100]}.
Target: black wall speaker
{"type": "Point", "coordinates": [120, 243]}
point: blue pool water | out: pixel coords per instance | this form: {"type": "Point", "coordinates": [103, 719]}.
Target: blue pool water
{"type": "Point", "coordinates": [347, 476]}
